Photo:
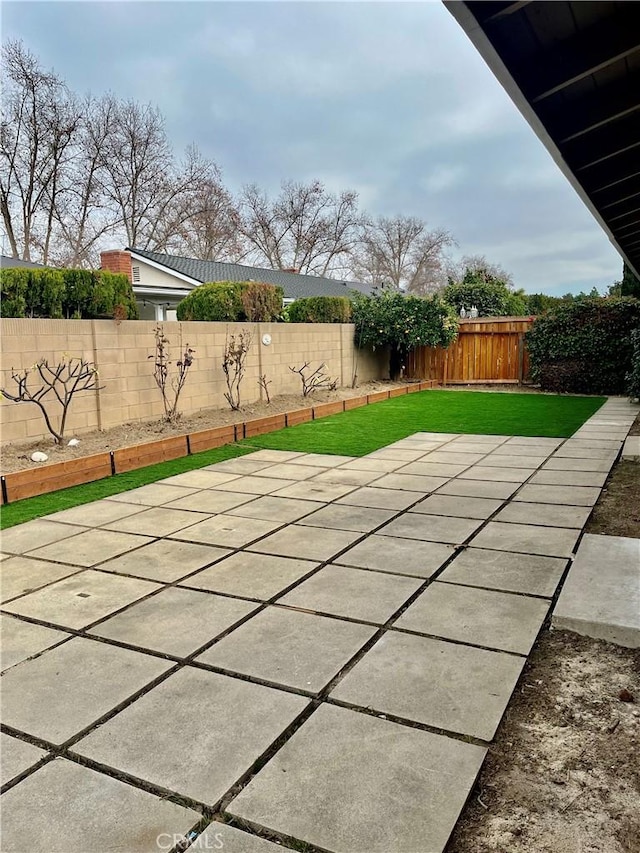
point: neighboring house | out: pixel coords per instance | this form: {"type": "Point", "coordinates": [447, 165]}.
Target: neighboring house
{"type": "Point", "coordinates": [13, 263]}
{"type": "Point", "coordinates": [161, 281]}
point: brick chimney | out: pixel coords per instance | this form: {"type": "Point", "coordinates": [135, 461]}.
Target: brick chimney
{"type": "Point", "coordinates": [117, 261]}
{"type": "Point", "coordinates": [291, 269]}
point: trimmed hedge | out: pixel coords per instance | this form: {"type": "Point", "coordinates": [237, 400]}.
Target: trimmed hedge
{"type": "Point", "coordinates": [56, 294]}
{"type": "Point", "coordinates": [584, 346]}
{"type": "Point", "coordinates": [633, 377]}
{"type": "Point", "coordinates": [320, 309]}
{"type": "Point", "coordinates": [232, 301]}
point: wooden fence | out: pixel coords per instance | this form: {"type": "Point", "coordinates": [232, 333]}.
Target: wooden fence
{"type": "Point", "coordinates": [487, 350]}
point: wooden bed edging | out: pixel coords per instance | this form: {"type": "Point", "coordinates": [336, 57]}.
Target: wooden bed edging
{"type": "Point", "coordinates": [87, 469]}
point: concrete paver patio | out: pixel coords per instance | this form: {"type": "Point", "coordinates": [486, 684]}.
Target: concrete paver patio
{"type": "Point", "coordinates": [320, 647]}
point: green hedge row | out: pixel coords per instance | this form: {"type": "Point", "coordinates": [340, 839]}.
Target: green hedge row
{"type": "Point", "coordinates": [78, 294]}
{"type": "Point", "coordinates": [232, 301]}
{"type": "Point", "coordinates": [320, 309]}
{"type": "Point", "coordinates": [584, 347]}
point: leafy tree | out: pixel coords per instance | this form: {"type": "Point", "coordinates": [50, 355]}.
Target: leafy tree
{"type": "Point", "coordinates": [488, 288]}
{"type": "Point", "coordinates": [629, 285]}
{"type": "Point", "coordinates": [402, 323]}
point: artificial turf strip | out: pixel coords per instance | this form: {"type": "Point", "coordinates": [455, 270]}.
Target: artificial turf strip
{"type": "Point", "coordinates": [363, 430]}
{"type": "Point", "coordinates": [30, 508]}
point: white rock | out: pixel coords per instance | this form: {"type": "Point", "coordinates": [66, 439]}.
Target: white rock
{"type": "Point", "coordinates": [73, 442]}
{"type": "Point", "coordinates": [38, 456]}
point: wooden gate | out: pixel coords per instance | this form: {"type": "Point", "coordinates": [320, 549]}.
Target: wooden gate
{"type": "Point", "coordinates": [487, 350]}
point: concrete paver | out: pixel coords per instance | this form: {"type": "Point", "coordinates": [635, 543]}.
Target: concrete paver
{"type": "Point", "coordinates": [201, 478]}
{"type": "Point", "coordinates": [90, 548]}
{"type": "Point", "coordinates": [187, 713]}
{"type": "Point", "coordinates": [347, 477]}
{"type": "Point", "coordinates": [433, 469]}
{"type": "Point", "coordinates": [525, 573]}
{"type": "Point", "coordinates": [410, 483]}
{"type": "Point", "coordinates": [270, 508]}
{"type": "Point", "coordinates": [17, 756]}
{"type": "Point", "coordinates": [165, 560]}
{"type": "Point", "coordinates": [20, 640]}
{"type": "Point", "coordinates": [631, 448]}
{"type": "Point", "coordinates": [355, 518]}
{"type": "Point", "coordinates": [306, 543]}
{"type": "Point", "coordinates": [23, 574]}
{"type": "Point", "coordinates": [379, 498]}
{"type": "Point", "coordinates": [601, 596]}
{"type": "Point", "coordinates": [65, 689]}
{"type": "Point", "coordinates": [462, 507]}
{"type": "Point", "coordinates": [153, 494]}
{"type": "Point", "coordinates": [290, 471]}
{"type": "Point", "coordinates": [312, 490]}
{"type": "Point", "coordinates": [222, 836]}
{"type": "Point", "coordinates": [513, 460]}
{"type": "Point", "coordinates": [478, 489]}
{"type": "Point", "coordinates": [241, 465]}
{"type": "Point", "coordinates": [176, 621]}
{"type": "Point", "coordinates": [397, 556]}
{"type": "Point", "coordinates": [66, 808]}
{"type": "Point", "coordinates": [81, 599]}
{"type": "Point", "coordinates": [94, 514]}
{"type": "Point", "coordinates": [354, 593]}
{"type": "Point", "coordinates": [432, 528]}
{"type": "Point", "coordinates": [287, 647]}
{"type": "Point", "coordinates": [156, 521]}
{"type": "Point", "coordinates": [251, 575]}
{"type": "Point", "coordinates": [256, 485]}
{"type": "Point", "coordinates": [227, 530]}
{"type": "Point", "coordinates": [547, 515]}
{"type": "Point", "coordinates": [565, 463]}
{"type": "Point", "coordinates": [569, 478]}
{"type": "Point", "coordinates": [491, 473]}
{"type": "Point", "coordinates": [497, 620]}
{"type": "Point", "coordinates": [350, 782]}
{"type": "Point", "coordinates": [34, 534]}
{"type": "Point", "coordinates": [569, 495]}
{"type": "Point", "coordinates": [527, 539]}
{"type": "Point", "coordinates": [446, 685]}
{"type": "Point", "coordinates": [211, 501]}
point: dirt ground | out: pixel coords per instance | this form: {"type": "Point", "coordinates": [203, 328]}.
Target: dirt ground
{"type": "Point", "coordinates": [16, 457]}
{"type": "Point", "coordinates": [563, 775]}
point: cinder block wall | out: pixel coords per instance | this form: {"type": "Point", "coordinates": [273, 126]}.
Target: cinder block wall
{"type": "Point", "coordinates": [121, 353]}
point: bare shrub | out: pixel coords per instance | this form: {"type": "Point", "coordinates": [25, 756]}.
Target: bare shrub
{"type": "Point", "coordinates": [264, 383]}
{"type": "Point", "coordinates": [236, 349]}
{"type": "Point", "coordinates": [314, 380]}
{"type": "Point", "coordinates": [59, 383]}
{"type": "Point", "coordinates": [170, 386]}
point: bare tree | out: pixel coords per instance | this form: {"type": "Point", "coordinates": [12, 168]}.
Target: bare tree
{"type": "Point", "coordinates": [401, 253]}
{"type": "Point", "coordinates": [85, 217]}
{"type": "Point", "coordinates": [40, 119]}
{"type": "Point", "coordinates": [305, 228]}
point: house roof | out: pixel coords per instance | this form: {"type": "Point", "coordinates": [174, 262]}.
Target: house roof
{"type": "Point", "coordinates": [573, 70]}
{"type": "Point", "coordinates": [12, 263]}
{"type": "Point", "coordinates": [294, 285]}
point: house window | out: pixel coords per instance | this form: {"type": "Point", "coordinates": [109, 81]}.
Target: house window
{"type": "Point", "coordinates": [135, 274]}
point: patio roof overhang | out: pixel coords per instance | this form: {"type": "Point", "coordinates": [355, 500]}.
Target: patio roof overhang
{"type": "Point", "coordinates": [573, 71]}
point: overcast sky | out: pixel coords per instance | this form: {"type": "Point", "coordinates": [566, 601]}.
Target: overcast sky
{"type": "Point", "coordinates": [389, 99]}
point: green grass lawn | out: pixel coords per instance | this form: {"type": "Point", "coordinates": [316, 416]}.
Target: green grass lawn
{"type": "Point", "coordinates": [354, 433]}
{"type": "Point", "coordinates": [361, 431]}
